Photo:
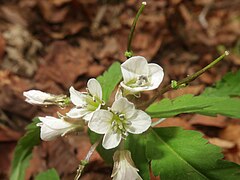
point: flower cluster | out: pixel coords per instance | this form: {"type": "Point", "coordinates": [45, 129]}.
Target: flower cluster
{"type": "Point", "coordinates": [114, 122]}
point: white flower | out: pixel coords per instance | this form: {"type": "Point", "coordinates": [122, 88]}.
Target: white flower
{"type": "Point", "coordinates": [41, 98]}
{"type": "Point", "coordinates": [139, 76]}
{"type": "Point", "coordinates": [124, 167]}
{"type": "Point", "coordinates": [52, 127]}
{"type": "Point", "coordinates": [86, 103]}
{"type": "Point", "coordinates": [116, 123]}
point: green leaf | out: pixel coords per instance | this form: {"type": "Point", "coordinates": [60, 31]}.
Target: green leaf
{"type": "Point", "coordinates": [229, 86]}
{"type": "Point", "coordinates": [110, 79]}
{"type": "Point", "coordinates": [207, 105]}
{"type": "Point", "coordinates": [23, 151]}
{"type": "Point", "coordinates": [136, 144]}
{"type": "Point", "coordinates": [50, 174]}
{"type": "Point", "coordinates": [182, 154]}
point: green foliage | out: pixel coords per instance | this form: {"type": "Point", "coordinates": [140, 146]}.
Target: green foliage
{"type": "Point", "coordinates": [207, 105]}
{"type": "Point", "coordinates": [229, 86]}
{"type": "Point", "coordinates": [136, 144]}
{"type": "Point", "coordinates": [23, 151]}
{"type": "Point", "coordinates": [220, 99]}
{"type": "Point", "coordinates": [182, 154]}
{"type": "Point", "coordinates": [50, 174]}
{"type": "Point", "coordinates": [110, 79]}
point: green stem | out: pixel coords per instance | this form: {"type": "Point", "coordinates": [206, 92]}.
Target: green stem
{"type": "Point", "coordinates": [129, 53]}
{"type": "Point", "coordinates": [182, 82]}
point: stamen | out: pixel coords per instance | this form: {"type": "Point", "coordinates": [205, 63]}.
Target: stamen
{"type": "Point", "coordinates": [121, 116]}
{"type": "Point", "coordinates": [120, 126]}
{"type": "Point", "coordinates": [142, 80]}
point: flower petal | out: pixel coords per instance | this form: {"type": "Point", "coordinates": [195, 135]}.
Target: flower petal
{"type": "Point", "coordinates": [94, 88]}
{"type": "Point", "coordinates": [55, 123]}
{"type": "Point", "coordinates": [77, 97]}
{"type": "Point", "coordinates": [124, 167]}
{"type": "Point", "coordinates": [140, 122]}
{"type": "Point", "coordinates": [48, 134]}
{"type": "Point", "coordinates": [77, 112]}
{"type": "Point", "coordinates": [122, 105]}
{"type": "Point", "coordinates": [156, 75]}
{"type": "Point", "coordinates": [101, 121]}
{"type": "Point", "coordinates": [133, 67]}
{"type": "Point", "coordinates": [36, 97]}
{"type": "Point", "coordinates": [111, 139]}
{"type": "Point", "coordinates": [88, 116]}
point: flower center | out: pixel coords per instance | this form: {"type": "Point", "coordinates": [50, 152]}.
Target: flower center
{"type": "Point", "coordinates": [119, 124]}
{"type": "Point", "coordinates": [92, 102]}
{"type": "Point", "coordinates": [140, 81]}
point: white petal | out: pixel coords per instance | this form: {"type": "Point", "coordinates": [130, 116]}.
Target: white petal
{"type": "Point", "coordinates": [36, 97]}
{"type": "Point", "coordinates": [77, 112]}
{"type": "Point", "coordinates": [88, 116]}
{"type": "Point", "coordinates": [140, 122]}
{"type": "Point", "coordinates": [48, 134]}
{"type": "Point", "coordinates": [119, 94]}
{"type": "Point", "coordinates": [156, 75]}
{"type": "Point", "coordinates": [133, 67]}
{"type": "Point", "coordinates": [94, 88]}
{"type": "Point", "coordinates": [111, 139]}
{"type": "Point", "coordinates": [122, 105]}
{"type": "Point", "coordinates": [124, 167]}
{"type": "Point", "coordinates": [77, 97]}
{"type": "Point", "coordinates": [127, 172]}
{"type": "Point", "coordinates": [101, 121]}
{"type": "Point", "coordinates": [55, 123]}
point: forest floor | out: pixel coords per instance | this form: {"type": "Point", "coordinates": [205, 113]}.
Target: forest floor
{"type": "Point", "coordinates": [51, 45]}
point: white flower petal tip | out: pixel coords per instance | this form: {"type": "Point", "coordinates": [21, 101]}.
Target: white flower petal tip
{"type": "Point", "coordinates": [37, 97]}
{"type": "Point", "coordinates": [52, 127]}
{"type": "Point", "coordinates": [86, 103]}
{"type": "Point", "coordinates": [94, 88]}
{"type": "Point", "coordinates": [139, 76]}
{"type": "Point", "coordinates": [124, 167]}
{"type": "Point", "coordinates": [122, 118]}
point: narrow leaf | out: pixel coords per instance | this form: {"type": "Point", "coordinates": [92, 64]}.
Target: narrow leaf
{"type": "Point", "coordinates": [183, 154]}
{"type": "Point", "coordinates": [50, 174]}
{"type": "Point", "coordinates": [110, 79]}
{"type": "Point", "coordinates": [23, 151]}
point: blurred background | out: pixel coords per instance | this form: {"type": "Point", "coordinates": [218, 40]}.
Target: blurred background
{"type": "Point", "coordinates": [51, 45]}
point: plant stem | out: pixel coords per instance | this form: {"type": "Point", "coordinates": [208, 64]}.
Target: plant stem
{"type": "Point", "coordinates": [184, 81]}
{"type": "Point", "coordinates": [86, 160]}
{"type": "Point", "coordinates": [128, 53]}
